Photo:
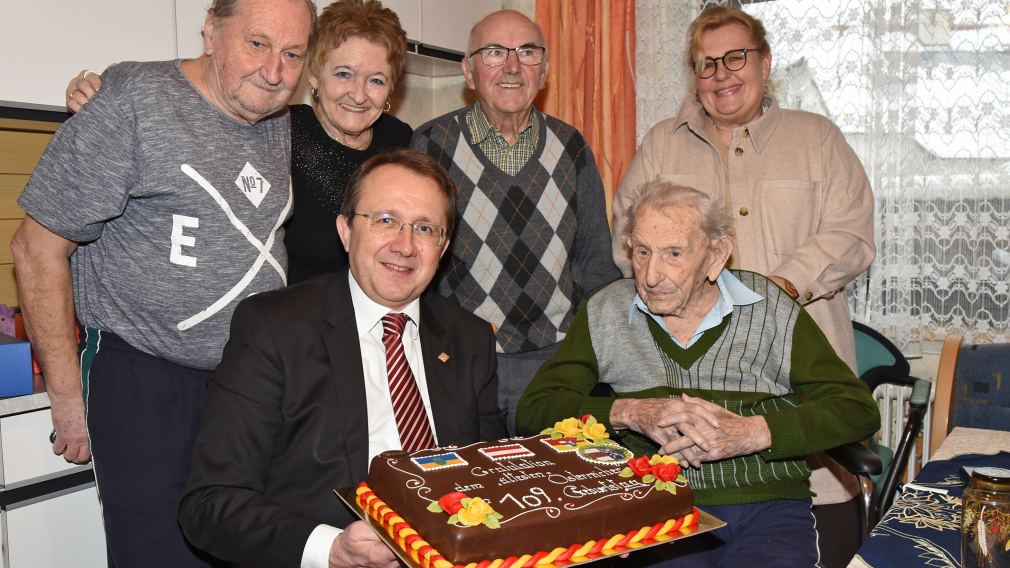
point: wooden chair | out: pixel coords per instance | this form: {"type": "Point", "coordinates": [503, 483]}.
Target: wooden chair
{"type": "Point", "coordinates": [970, 388]}
{"type": "Point", "coordinates": [945, 373]}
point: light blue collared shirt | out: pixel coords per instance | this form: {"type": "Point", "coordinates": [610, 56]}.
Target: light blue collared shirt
{"type": "Point", "coordinates": [732, 292]}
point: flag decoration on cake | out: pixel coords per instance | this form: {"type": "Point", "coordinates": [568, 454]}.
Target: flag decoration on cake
{"type": "Point", "coordinates": [506, 451]}
{"type": "Point", "coordinates": [439, 461]}
{"type": "Point", "coordinates": [566, 444]}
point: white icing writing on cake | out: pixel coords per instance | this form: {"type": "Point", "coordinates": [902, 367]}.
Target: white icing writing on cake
{"type": "Point", "coordinates": [601, 487]}
{"type": "Point", "coordinates": [465, 488]}
{"type": "Point", "coordinates": [510, 477]}
{"type": "Point", "coordinates": [516, 465]}
{"type": "Point", "coordinates": [569, 477]}
{"type": "Point", "coordinates": [535, 498]}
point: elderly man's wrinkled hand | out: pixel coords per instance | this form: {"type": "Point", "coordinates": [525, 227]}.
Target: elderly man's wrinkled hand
{"type": "Point", "coordinates": [666, 421]}
{"type": "Point", "coordinates": [736, 436]}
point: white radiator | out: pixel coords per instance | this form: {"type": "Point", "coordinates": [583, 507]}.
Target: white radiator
{"type": "Point", "coordinates": [893, 403]}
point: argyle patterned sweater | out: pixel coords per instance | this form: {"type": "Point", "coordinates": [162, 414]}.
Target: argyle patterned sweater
{"type": "Point", "coordinates": [527, 248]}
{"type": "Point", "coordinates": [767, 358]}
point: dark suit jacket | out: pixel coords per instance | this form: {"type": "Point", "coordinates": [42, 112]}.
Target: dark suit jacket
{"type": "Point", "coordinates": [286, 417]}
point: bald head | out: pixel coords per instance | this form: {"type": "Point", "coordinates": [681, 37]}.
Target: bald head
{"type": "Point", "coordinates": [498, 20]}
{"type": "Point", "coordinates": [506, 88]}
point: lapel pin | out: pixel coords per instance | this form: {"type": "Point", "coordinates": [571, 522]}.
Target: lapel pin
{"type": "Point", "coordinates": [443, 357]}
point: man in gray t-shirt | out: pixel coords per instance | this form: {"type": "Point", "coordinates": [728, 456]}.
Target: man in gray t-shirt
{"type": "Point", "coordinates": [152, 213]}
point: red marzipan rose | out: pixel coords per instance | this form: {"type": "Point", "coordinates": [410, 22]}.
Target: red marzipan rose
{"type": "Point", "coordinates": [640, 466]}
{"type": "Point", "coordinates": [450, 502]}
{"type": "Point", "coordinates": [585, 418]}
{"type": "Point", "coordinates": [666, 471]}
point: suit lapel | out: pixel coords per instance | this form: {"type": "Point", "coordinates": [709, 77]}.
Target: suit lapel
{"type": "Point", "coordinates": [342, 346]}
{"type": "Point", "coordinates": [442, 377]}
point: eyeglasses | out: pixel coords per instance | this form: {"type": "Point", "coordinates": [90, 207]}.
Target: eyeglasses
{"type": "Point", "coordinates": [733, 60]}
{"type": "Point", "coordinates": [388, 225]}
{"type": "Point", "coordinates": [496, 55]}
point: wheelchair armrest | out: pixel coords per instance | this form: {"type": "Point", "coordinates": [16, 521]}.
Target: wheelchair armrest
{"type": "Point", "coordinates": [920, 393]}
{"type": "Point", "coordinates": [856, 458]}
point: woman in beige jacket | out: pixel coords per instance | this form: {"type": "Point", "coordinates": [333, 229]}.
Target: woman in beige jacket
{"type": "Point", "coordinates": [798, 194]}
{"type": "Point", "coordinates": [799, 197]}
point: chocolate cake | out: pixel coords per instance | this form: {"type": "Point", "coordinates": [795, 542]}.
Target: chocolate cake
{"type": "Point", "coordinates": [554, 497]}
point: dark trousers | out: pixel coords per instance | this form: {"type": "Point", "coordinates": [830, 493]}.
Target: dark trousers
{"type": "Point", "coordinates": [143, 414]}
{"type": "Point", "coordinates": [515, 371]}
{"type": "Point", "coordinates": [770, 534]}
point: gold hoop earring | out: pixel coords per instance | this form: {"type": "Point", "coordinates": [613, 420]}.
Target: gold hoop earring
{"type": "Point", "coordinates": [387, 107]}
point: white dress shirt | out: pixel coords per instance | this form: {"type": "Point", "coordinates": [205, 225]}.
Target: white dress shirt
{"type": "Point", "coordinates": [382, 432]}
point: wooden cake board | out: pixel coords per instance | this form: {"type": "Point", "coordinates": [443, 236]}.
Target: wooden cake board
{"type": "Point", "coordinates": [706, 523]}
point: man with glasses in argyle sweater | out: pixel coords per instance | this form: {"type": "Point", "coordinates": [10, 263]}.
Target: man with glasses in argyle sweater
{"type": "Point", "coordinates": [531, 241]}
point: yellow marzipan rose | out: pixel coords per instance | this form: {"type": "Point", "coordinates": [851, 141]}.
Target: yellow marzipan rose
{"type": "Point", "coordinates": [474, 512]}
{"type": "Point", "coordinates": [595, 431]}
{"type": "Point", "coordinates": [568, 427]}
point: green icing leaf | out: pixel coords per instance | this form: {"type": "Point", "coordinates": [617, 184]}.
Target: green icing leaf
{"type": "Point", "coordinates": [626, 472]}
{"type": "Point", "coordinates": [491, 522]}
{"type": "Point", "coordinates": [452, 520]}
{"type": "Point", "coordinates": [648, 478]}
{"type": "Point", "coordinates": [661, 485]}
{"type": "Point", "coordinates": [434, 507]}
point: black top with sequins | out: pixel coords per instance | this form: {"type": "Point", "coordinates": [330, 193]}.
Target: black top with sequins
{"type": "Point", "coordinates": [320, 168]}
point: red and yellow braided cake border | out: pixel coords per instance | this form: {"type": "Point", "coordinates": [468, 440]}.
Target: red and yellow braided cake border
{"type": "Point", "coordinates": [427, 557]}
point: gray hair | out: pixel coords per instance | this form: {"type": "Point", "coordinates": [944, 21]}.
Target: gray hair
{"type": "Point", "coordinates": [227, 9]}
{"type": "Point", "coordinates": [715, 222]}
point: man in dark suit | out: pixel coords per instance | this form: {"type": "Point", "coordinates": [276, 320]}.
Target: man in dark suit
{"type": "Point", "coordinates": [301, 400]}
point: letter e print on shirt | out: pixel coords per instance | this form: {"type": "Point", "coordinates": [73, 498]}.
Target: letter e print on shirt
{"type": "Point", "coordinates": [253, 185]}
{"type": "Point", "coordinates": [179, 240]}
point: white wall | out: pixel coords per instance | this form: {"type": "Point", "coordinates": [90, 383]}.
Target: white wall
{"type": "Point", "coordinates": [46, 42]}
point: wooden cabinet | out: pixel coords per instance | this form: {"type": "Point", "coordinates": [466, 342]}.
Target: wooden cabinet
{"type": "Point", "coordinates": [21, 146]}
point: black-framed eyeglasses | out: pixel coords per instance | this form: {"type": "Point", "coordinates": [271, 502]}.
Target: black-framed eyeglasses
{"type": "Point", "coordinates": [495, 55]}
{"type": "Point", "coordinates": [733, 60]}
{"type": "Point", "coordinates": [389, 225]}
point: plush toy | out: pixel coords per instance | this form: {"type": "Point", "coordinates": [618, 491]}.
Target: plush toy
{"type": "Point", "coordinates": [7, 320]}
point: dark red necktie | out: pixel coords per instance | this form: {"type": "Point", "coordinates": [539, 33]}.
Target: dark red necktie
{"type": "Point", "coordinates": [408, 408]}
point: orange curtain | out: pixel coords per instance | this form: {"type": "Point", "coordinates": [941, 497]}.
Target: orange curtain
{"type": "Point", "coordinates": [590, 85]}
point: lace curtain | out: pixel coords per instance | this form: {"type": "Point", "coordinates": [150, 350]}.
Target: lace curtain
{"type": "Point", "coordinates": [919, 87]}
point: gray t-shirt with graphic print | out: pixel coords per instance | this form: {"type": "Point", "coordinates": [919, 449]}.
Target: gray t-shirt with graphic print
{"type": "Point", "coordinates": [176, 208]}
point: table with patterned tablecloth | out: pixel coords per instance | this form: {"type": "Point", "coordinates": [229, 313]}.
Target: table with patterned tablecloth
{"type": "Point", "coordinates": [923, 528]}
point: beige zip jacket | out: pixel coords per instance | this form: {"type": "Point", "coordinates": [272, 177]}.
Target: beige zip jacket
{"type": "Point", "coordinates": [800, 200]}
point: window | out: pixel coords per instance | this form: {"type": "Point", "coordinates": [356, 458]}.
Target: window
{"type": "Point", "coordinates": [920, 90]}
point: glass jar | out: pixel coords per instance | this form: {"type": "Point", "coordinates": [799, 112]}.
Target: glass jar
{"type": "Point", "coordinates": [985, 519]}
